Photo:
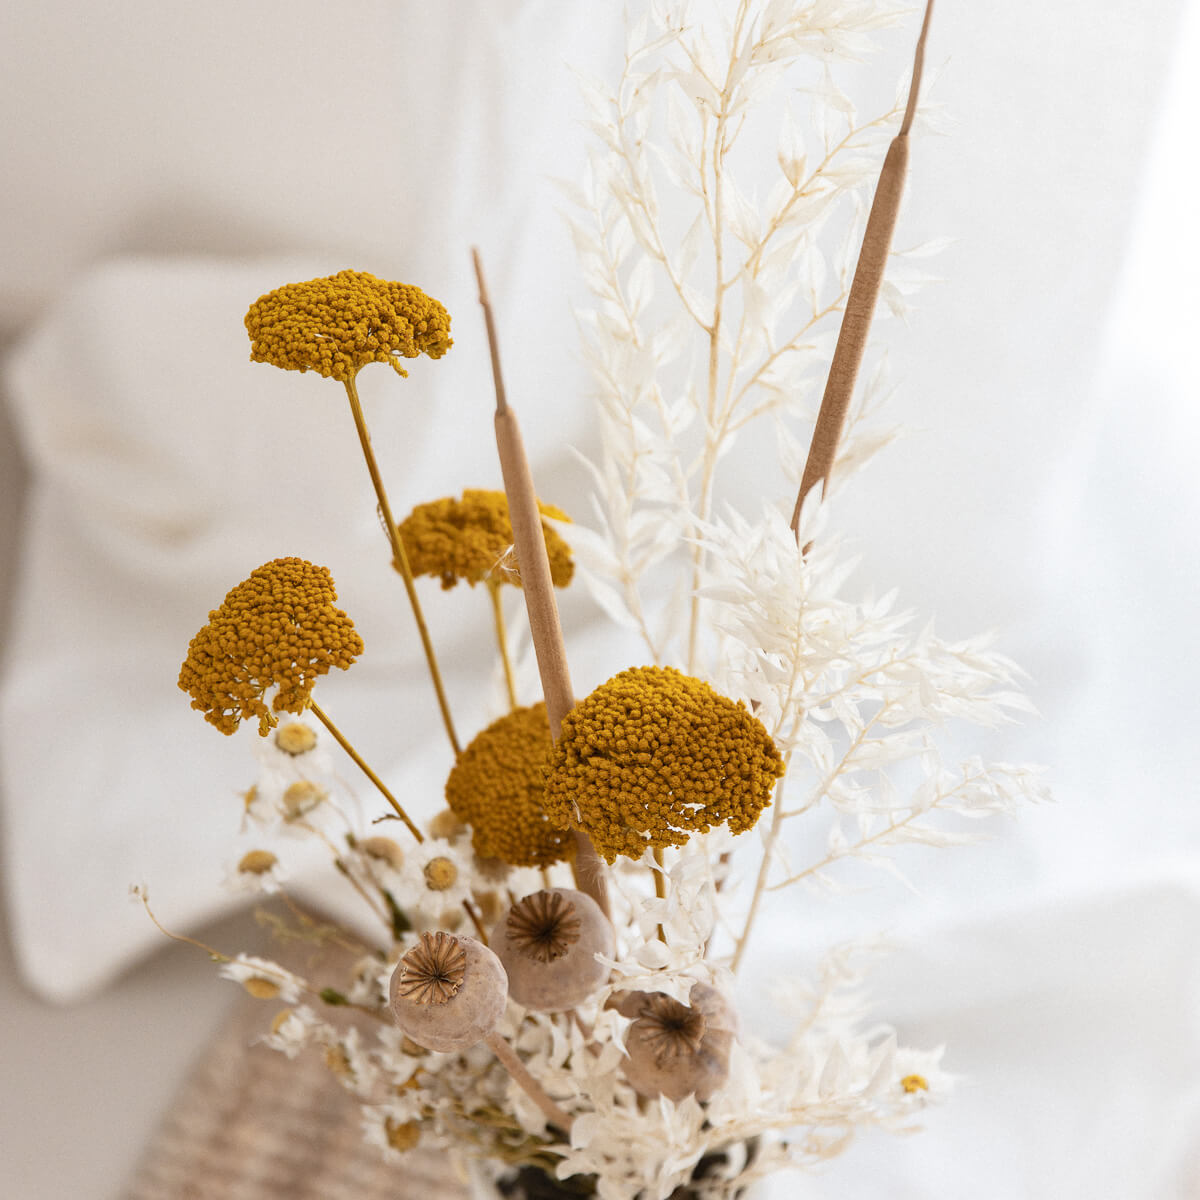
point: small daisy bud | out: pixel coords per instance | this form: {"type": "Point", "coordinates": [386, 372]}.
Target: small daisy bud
{"type": "Point", "coordinates": [446, 825]}
{"type": "Point", "coordinates": [491, 907]}
{"type": "Point", "coordinates": [337, 1062]}
{"type": "Point", "coordinates": [260, 988]}
{"type": "Point", "coordinates": [294, 737]}
{"type": "Point", "coordinates": [384, 850]}
{"type": "Point", "coordinates": [548, 944]}
{"type": "Point", "coordinates": [440, 874]}
{"type": "Point", "coordinates": [256, 862]}
{"type": "Point", "coordinates": [277, 1022]}
{"type": "Point", "coordinates": [301, 797]}
{"type": "Point", "coordinates": [404, 1136]}
{"type": "Point", "coordinates": [447, 992]}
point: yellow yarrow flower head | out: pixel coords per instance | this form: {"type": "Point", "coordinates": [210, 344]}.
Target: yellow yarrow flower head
{"type": "Point", "coordinates": [338, 324]}
{"type": "Point", "coordinates": [278, 629]}
{"type": "Point", "coordinates": [497, 786]}
{"type": "Point", "coordinates": [466, 539]}
{"type": "Point", "coordinates": [653, 756]}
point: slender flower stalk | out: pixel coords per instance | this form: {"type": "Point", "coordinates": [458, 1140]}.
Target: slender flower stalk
{"type": "Point", "coordinates": [401, 560]}
{"type": "Point", "coordinates": [538, 588]}
{"type": "Point", "coordinates": [534, 1090]}
{"type": "Point", "coordinates": [342, 741]}
{"type": "Point", "coordinates": [502, 642]}
{"type": "Point", "coordinates": [864, 292]}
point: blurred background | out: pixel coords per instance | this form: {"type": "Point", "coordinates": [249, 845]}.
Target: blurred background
{"type": "Point", "coordinates": [164, 165]}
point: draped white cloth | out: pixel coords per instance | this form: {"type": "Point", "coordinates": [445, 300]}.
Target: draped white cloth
{"type": "Point", "coordinates": [1048, 488]}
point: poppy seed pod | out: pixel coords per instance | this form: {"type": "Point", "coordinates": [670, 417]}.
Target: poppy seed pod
{"type": "Point", "coordinates": [448, 992]}
{"type": "Point", "coordinates": [548, 944]}
{"type": "Point", "coordinates": [677, 1050]}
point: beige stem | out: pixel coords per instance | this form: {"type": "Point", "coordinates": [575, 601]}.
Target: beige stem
{"type": "Point", "coordinates": [401, 560]}
{"type": "Point", "coordinates": [340, 738]}
{"type": "Point", "coordinates": [502, 641]}
{"type": "Point", "coordinates": [534, 1090]}
{"type": "Point", "coordinates": [538, 589]}
{"type": "Point", "coordinates": [864, 292]}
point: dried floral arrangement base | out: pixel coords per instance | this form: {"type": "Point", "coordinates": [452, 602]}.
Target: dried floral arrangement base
{"type": "Point", "coordinates": [550, 991]}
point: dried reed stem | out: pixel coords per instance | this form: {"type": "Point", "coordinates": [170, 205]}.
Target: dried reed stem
{"type": "Point", "coordinates": [864, 292]}
{"type": "Point", "coordinates": [537, 586]}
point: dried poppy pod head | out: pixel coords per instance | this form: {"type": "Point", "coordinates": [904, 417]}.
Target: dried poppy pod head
{"type": "Point", "coordinates": [548, 944]}
{"type": "Point", "coordinates": [448, 992]}
{"type": "Point", "coordinates": [674, 1050]}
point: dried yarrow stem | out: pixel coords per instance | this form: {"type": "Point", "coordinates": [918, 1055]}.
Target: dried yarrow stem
{"type": "Point", "coordinates": [336, 326]}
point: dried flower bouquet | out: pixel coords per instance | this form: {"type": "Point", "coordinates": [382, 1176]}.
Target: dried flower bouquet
{"type": "Point", "coordinates": [552, 989]}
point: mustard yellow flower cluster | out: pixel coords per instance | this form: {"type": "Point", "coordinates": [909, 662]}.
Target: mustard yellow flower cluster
{"type": "Point", "coordinates": [465, 539]}
{"type": "Point", "coordinates": [496, 787]}
{"type": "Point", "coordinates": [653, 756]}
{"type": "Point", "coordinates": [338, 324]}
{"type": "Point", "coordinates": [279, 628]}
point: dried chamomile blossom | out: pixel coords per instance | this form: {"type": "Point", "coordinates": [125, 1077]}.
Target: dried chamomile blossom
{"type": "Point", "coordinates": [263, 979]}
{"type": "Point", "coordinates": [338, 324]}
{"type": "Point", "coordinates": [467, 539]}
{"type": "Point", "coordinates": [435, 876]}
{"type": "Point", "coordinates": [497, 787]}
{"type": "Point", "coordinates": [277, 629]}
{"type": "Point", "coordinates": [653, 756]}
{"type": "Point", "coordinates": [257, 871]}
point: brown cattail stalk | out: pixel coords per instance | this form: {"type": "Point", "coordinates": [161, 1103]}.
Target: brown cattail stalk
{"type": "Point", "coordinates": [864, 292]}
{"type": "Point", "coordinates": [537, 587]}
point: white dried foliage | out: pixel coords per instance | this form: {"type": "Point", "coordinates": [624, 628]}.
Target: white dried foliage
{"type": "Point", "coordinates": [717, 272]}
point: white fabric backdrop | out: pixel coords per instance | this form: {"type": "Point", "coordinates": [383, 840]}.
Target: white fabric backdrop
{"type": "Point", "coordinates": [1047, 488]}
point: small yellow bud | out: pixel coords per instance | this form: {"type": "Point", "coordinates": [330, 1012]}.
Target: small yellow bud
{"type": "Point", "coordinates": [280, 1019]}
{"type": "Point", "coordinates": [384, 849]}
{"type": "Point", "coordinates": [260, 988]}
{"type": "Point", "coordinates": [301, 797]}
{"type": "Point", "coordinates": [446, 825]}
{"type": "Point", "coordinates": [440, 874]}
{"type": "Point", "coordinates": [402, 1137]}
{"type": "Point", "coordinates": [295, 737]}
{"type": "Point", "coordinates": [914, 1083]}
{"type": "Point", "coordinates": [256, 862]}
{"type": "Point", "coordinates": [337, 1062]}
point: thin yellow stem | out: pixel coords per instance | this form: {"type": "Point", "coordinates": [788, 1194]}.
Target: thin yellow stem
{"type": "Point", "coordinates": [400, 559]}
{"type": "Point", "coordinates": [340, 738]}
{"type": "Point", "coordinates": [660, 885]}
{"type": "Point", "coordinates": [502, 641]}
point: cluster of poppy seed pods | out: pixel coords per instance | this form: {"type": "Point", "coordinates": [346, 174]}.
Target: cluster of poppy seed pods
{"type": "Point", "coordinates": [551, 953]}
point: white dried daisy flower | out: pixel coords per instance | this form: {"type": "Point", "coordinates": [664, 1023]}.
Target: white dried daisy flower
{"type": "Point", "coordinates": [263, 979]}
{"type": "Point", "coordinates": [435, 878]}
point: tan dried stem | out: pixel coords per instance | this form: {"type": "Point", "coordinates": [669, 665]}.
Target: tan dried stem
{"type": "Point", "coordinates": [342, 741]}
{"type": "Point", "coordinates": [534, 1090]}
{"type": "Point", "coordinates": [864, 293]}
{"type": "Point", "coordinates": [400, 558]}
{"type": "Point", "coordinates": [537, 587]}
